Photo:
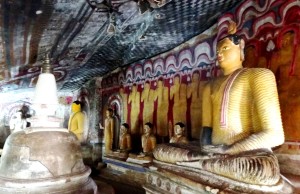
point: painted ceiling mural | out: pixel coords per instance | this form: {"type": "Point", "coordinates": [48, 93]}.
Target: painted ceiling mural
{"type": "Point", "coordinates": [271, 31]}
{"type": "Point", "coordinates": [88, 38]}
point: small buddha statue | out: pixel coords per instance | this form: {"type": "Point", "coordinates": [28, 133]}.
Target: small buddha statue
{"type": "Point", "coordinates": [241, 111]}
{"type": "Point", "coordinates": [77, 119]}
{"type": "Point", "coordinates": [125, 138]}
{"type": "Point", "coordinates": [17, 122]}
{"type": "Point", "coordinates": [179, 136]}
{"type": "Point", "coordinates": [148, 140]}
{"type": "Point", "coordinates": [148, 145]}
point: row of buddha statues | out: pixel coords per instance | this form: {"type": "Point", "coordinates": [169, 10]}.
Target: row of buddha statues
{"type": "Point", "coordinates": [177, 95]}
{"type": "Point", "coordinates": [148, 139]}
{"type": "Point", "coordinates": [241, 123]}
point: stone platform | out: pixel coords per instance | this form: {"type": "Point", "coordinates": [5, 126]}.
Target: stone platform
{"type": "Point", "coordinates": [168, 178]}
{"type": "Point", "coordinates": [124, 177]}
{"type": "Point", "coordinates": [162, 178]}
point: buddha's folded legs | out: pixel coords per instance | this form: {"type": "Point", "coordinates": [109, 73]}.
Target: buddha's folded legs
{"type": "Point", "coordinates": [262, 169]}
{"type": "Point", "coordinates": [259, 167]}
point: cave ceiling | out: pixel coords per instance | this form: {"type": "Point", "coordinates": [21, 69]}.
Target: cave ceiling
{"type": "Point", "coordinates": [89, 38]}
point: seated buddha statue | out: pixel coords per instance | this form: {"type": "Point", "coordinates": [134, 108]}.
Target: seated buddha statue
{"type": "Point", "coordinates": [148, 140]}
{"type": "Point", "coordinates": [148, 144]}
{"type": "Point", "coordinates": [17, 122]}
{"type": "Point", "coordinates": [125, 138]}
{"type": "Point", "coordinates": [179, 136]}
{"type": "Point", "coordinates": [241, 112]}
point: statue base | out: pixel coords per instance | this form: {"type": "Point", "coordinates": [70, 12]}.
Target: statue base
{"type": "Point", "coordinates": [130, 176]}
{"type": "Point", "coordinates": [169, 178]}
{"type": "Point", "coordinates": [139, 159]}
{"type": "Point", "coordinates": [117, 155]}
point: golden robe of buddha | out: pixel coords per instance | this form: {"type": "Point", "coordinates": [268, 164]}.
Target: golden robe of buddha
{"type": "Point", "coordinates": [242, 109]}
{"type": "Point", "coordinates": [108, 130]}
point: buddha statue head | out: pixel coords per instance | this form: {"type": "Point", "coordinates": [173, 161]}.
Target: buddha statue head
{"type": "Point", "coordinates": [124, 128]}
{"type": "Point", "coordinates": [109, 112]}
{"type": "Point", "coordinates": [148, 128]}
{"type": "Point", "coordinates": [179, 129]}
{"type": "Point", "coordinates": [230, 53]}
{"type": "Point", "coordinates": [76, 106]}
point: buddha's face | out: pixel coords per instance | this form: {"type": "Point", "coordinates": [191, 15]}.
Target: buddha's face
{"type": "Point", "coordinates": [123, 130]}
{"type": "Point", "coordinates": [147, 129]}
{"type": "Point", "coordinates": [228, 54]}
{"type": "Point", "coordinates": [108, 113]}
{"type": "Point", "coordinates": [178, 130]}
{"type": "Point", "coordinates": [76, 107]}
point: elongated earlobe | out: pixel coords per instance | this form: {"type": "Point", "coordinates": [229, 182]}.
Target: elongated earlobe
{"type": "Point", "coordinates": [242, 46]}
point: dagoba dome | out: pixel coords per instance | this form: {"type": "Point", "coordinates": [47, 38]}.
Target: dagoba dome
{"type": "Point", "coordinates": [44, 160]}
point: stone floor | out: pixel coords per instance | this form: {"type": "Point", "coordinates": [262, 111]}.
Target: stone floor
{"type": "Point", "coordinates": [104, 188]}
{"type": "Point", "coordinates": [113, 187]}
{"type": "Point", "coordinates": [295, 180]}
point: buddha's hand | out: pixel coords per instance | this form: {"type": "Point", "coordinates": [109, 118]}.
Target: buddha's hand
{"type": "Point", "coordinates": [215, 149]}
{"type": "Point", "coordinates": [141, 155]}
{"type": "Point", "coordinates": [100, 126]}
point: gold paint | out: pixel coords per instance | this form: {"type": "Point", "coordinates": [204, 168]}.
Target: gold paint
{"type": "Point", "coordinates": [281, 64]}
{"type": "Point", "coordinates": [178, 92]}
{"type": "Point", "coordinates": [134, 99]}
{"type": "Point", "coordinates": [148, 100]}
{"type": "Point", "coordinates": [253, 112]}
{"type": "Point", "coordinates": [241, 148]}
{"type": "Point", "coordinates": [76, 121]}
{"type": "Point", "coordinates": [161, 94]}
{"type": "Point", "coordinates": [194, 91]}
{"type": "Point", "coordinates": [124, 97]}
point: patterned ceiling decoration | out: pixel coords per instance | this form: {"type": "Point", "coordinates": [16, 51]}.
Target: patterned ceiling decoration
{"type": "Point", "coordinates": [89, 38]}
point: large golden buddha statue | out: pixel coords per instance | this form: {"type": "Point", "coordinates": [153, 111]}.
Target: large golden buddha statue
{"type": "Point", "coordinates": [241, 111]}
